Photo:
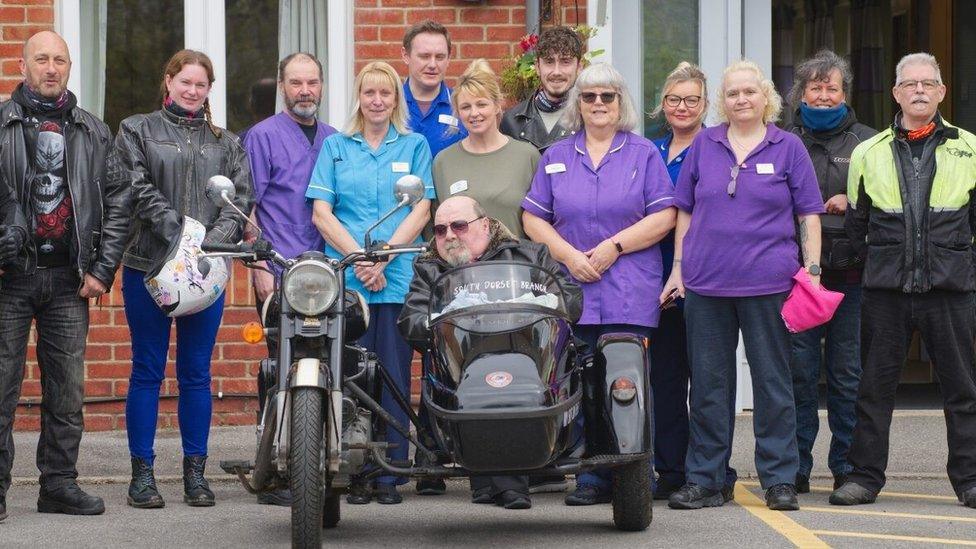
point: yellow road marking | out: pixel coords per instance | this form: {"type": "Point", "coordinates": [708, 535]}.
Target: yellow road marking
{"type": "Point", "coordinates": [941, 541]}
{"type": "Point", "coordinates": [792, 531]}
{"type": "Point", "coordinates": [886, 514]}
{"type": "Point", "coordinates": [884, 493]}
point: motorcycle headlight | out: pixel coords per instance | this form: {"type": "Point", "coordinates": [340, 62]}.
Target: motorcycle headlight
{"type": "Point", "coordinates": [311, 287]}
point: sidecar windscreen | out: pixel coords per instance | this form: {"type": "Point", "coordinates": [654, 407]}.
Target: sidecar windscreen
{"type": "Point", "coordinates": [496, 296]}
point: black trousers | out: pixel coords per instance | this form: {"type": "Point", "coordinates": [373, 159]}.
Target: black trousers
{"type": "Point", "coordinates": [947, 323]}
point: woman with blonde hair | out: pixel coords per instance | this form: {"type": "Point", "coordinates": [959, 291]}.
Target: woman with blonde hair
{"type": "Point", "coordinates": [168, 155]}
{"type": "Point", "coordinates": [684, 104]}
{"type": "Point", "coordinates": [744, 186]}
{"type": "Point", "coordinates": [351, 187]}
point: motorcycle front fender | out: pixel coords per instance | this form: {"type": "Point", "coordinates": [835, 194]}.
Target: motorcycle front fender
{"type": "Point", "coordinates": [307, 372]}
{"type": "Point", "coordinates": [625, 355]}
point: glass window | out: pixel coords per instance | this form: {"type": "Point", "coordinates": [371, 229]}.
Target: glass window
{"type": "Point", "coordinates": [252, 61]}
{"type": "Point", "coordinates": [670, 36]}
{"type": "Point", "coordinates": [140, 37]}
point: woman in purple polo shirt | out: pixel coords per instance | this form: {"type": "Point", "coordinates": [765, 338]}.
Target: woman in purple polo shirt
{"type": "Point", "coordinates": [743, 186]}
{"type": "Point", "coordinates": [601, 201]}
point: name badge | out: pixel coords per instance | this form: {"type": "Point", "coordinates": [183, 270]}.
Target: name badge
{"type": "Point", "coordinates": [447, 119]}
{"type": "Point", "coordinates": [765, 169]}
{"type": "Point", "coordinates": [558, 167]}
{"type": "Point", "coordinates": [404, 167]}
{"type": "Point", "coordinates": [459, 186]}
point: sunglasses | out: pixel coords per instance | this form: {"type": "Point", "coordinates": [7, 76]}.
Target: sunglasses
{"type": "Point", "coordinates": [735, 175]}
{"type": "Point", "coordinates": [605, 97]}
{"type": "Point", "coordinates": [459, 227]}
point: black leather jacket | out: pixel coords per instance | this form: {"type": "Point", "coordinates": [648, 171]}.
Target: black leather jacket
{"type": "Point", "coordinates": [168, 160]}
{"type": "Point", "coordinates": [99, 198]}
{"type": "Point", "coordinates": [524, 123]}
{"type": "Point", "coordinates": [504, 246]}
{"type": "Point", "coordinates": [11, 218]}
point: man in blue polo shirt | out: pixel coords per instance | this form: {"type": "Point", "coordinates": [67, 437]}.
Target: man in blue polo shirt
{"type": "Point", "coordinates": [426, 52]}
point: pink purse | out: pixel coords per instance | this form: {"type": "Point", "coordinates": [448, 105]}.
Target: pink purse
{"type": "Point", "coordinates": [808, 307]}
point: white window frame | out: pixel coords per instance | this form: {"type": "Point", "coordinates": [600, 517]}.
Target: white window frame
{"type": "Point", "coordinates": [204, 30]}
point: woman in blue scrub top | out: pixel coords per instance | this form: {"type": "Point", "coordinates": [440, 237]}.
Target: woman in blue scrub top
{"type": "Point", "coordinates": [351, 188]}
{"type": "Point", "coordinates": [684, 104]}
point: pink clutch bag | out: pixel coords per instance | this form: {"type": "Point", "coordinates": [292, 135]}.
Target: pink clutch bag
{"type": "Point", "coordinates": [808, 307]}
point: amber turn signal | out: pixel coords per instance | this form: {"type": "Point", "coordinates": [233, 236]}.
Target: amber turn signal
{"type": "Point", "coordinates": [252, 332]}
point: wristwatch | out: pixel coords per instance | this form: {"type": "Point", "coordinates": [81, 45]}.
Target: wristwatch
{"type": "Point", "coordinates": [620, 249]}
{"type": "Point", "coordinates": [814, 269]}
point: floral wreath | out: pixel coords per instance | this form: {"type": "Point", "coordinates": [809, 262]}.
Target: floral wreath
{"type": "Point", "coordinates": [519, 78]}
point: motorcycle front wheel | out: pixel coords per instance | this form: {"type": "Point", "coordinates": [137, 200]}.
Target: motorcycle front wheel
{"type": "Point", "coordinates": [306, 457]}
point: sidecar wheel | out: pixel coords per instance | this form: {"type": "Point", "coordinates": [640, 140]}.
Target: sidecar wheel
{"type": "Point", "coordinates": [305, 467]}
{"type": "Point", "coordinates": [632, 497]}
{"type": "Point", "coordinates": [330, 510]}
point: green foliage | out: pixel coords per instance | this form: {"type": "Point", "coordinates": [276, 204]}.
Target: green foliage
{"type": "Point", "coordinates": [519, 79]}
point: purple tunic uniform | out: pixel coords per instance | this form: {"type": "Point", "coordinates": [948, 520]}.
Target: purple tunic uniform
{"type": "Point", "coordinates": [588, 205]}
{"type": "Point", "coordinates": [744, 245]}
{"type": "Point", "coordinates": [281, 164]}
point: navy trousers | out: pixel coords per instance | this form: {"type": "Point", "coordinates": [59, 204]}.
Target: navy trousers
{"type": "Point", "coordinates": [713, 335]}
{"type": "Point", "coordinates": [383, 338]}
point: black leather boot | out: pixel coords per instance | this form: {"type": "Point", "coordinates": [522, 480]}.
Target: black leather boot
{"type": "Point", "coordinates": [143, 493]}
{"type": "Point", "coordinates": [196, 490]}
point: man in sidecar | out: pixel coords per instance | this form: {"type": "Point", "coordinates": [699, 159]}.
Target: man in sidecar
{"type": "Point", "coordinates": [463, 234]}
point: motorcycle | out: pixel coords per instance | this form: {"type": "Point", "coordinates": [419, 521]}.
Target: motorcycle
{"type": "Point", "coordinates": [318, 425]}
{"type": "Point", "coordinates": [505, 384]}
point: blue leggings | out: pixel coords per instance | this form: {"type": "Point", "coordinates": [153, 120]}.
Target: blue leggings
{"type": "Point", "coordinates": [195, 338]}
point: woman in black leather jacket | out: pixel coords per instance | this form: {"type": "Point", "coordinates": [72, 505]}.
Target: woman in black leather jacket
{"type": "Point", "coordinates": [168, 155]}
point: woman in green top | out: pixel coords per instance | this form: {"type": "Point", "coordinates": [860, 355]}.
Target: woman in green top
{"type": "Point", "coordinates": [487, 165]}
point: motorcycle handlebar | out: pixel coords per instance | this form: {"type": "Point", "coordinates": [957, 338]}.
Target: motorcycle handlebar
{"type": "Point", "coordinates": [223, 247]}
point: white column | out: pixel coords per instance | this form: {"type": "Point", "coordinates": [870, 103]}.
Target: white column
{"type": "Point", "coordinates": [204, 31]}
{"type": "Point", "coordinates": [67, 23]}
{"type": "Point", "coordinates": [340, 65]}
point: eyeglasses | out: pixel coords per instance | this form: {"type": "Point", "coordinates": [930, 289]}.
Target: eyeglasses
{"type": "Point", "coordinates": [911, 85]}
{"type": "Point", "coordinates": [690, 101]}
{"type": "Point", "coordinates": [731, 188]}
{"type": "Point", "coordinates": [605, 97]}
{"type": "Point", "coordinates": [459, 227]}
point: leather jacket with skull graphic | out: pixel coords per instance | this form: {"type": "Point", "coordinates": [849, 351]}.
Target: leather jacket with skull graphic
{"type": "Point", "coordinates": [97, 191]}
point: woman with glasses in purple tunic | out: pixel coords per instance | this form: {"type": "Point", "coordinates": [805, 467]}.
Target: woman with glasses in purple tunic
{"type": "Point", "coordinates": [744, 187]}
{"type": "Point", "coordinates": [601, 200]}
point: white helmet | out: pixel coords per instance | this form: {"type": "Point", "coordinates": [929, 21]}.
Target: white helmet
{"type": "Point", "coordinates": [185, 283]}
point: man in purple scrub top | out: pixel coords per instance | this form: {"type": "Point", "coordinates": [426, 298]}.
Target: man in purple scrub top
{"type": "Point", "coordinates": [282, 150]}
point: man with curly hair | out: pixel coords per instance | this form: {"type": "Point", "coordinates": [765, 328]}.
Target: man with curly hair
{"type": "Point", "coordinates": [559, 58]}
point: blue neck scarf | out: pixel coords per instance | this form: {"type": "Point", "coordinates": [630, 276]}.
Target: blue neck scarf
{"type": "Point", "coordinates": [820, 120]}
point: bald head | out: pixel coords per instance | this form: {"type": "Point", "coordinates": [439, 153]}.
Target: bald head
{"type": "Point", "coordinates": [461, 231]}
{"type": "Point", "coordinates": [46, 64]}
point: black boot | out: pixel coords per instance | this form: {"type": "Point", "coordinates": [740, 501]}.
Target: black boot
{"type": "Point", "coordinates": [196, 491]}
{"type": "Point", "coordinates": [69, 499]}
{"type": "Point", "coordinates": [142, 490]}
{"type": "Point", "coordinates": [3, 508]}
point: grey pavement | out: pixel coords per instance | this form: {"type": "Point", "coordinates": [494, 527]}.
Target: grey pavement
{"type": "Point", "coordinates": [917, 466]}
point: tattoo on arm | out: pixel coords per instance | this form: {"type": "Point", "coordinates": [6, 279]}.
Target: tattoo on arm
{"type": "Point", "coordinates": [804, 238]}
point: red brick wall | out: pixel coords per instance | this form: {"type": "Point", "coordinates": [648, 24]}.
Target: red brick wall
{"type": "Point", "coordinates": [490, 29]}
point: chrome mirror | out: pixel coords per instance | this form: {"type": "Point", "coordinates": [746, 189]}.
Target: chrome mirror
{"type": "Point", "coordinates": [409, 189]}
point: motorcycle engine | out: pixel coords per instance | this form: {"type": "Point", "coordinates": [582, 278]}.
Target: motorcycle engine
{"type": "Point", "coordinates": [356, 431]}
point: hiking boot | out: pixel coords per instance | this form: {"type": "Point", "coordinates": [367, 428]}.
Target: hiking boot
{"type": "Point", "coordinates": [782, 497]}
{"type": "Point", "coordinates": [852, 493]}
{"type": "Point", "coordinates": [196, 489]}
{"type": "Point", "coordinates": [143, 493]}
{"type": "Point", "coordinates": [695, 496]}
{"type": "Point", "coordinates": [69, 499]}
{"type": "Point", "coordinates": [588, 495]}
{"type": "Point", "coordinates": [387, 494]}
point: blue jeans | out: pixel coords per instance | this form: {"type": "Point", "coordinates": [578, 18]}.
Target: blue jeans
{"type": "Point", "coordinates": [49, 297]}
{"type": "Point", "coordinates": [383, 338]}
{"type": "Point", "coordinates": [843, 366]}
{"type": "Point", "coordinates": [713, 335]}
{"type": "Point", "coordinates": [602, 478]}
{"type": "Point", "coordinates": [196, 335]}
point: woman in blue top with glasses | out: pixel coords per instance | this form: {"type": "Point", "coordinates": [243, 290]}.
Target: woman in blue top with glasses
{"type": "Point", "coordinates": [684, 105]}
